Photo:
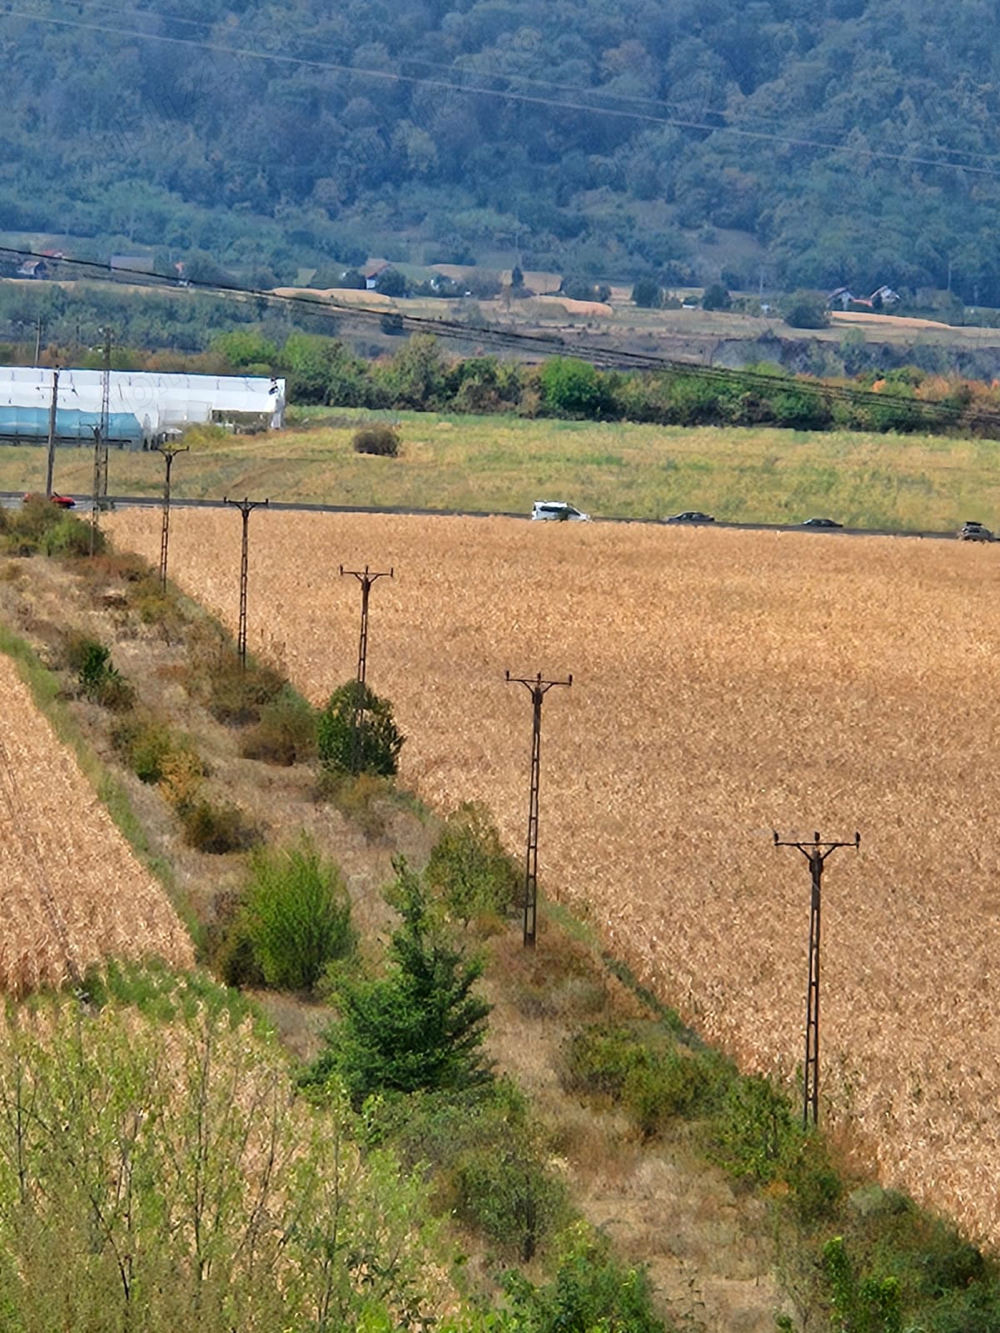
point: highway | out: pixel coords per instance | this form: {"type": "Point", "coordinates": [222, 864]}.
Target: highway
{"type": "Point", "coordinates": [84, 504]}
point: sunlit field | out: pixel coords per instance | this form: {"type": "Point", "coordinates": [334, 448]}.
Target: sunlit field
{"type": "Point", "coordinates": [502, 464]}
{"type": "Point", "coordinates": [73, 893]}
{"type": "Point", "coordinates": [724, 684]}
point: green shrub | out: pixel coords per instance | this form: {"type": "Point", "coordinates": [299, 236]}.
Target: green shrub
{"type": "Point", "coordinates": [753, 1131]}
{"type": "Point", "coordinates": [470, 868]}
{"type": "Point", "coordinates": [653, 1083]}
{"type": "Point", "coordinates": [216, 827]}
{"type": "Point", "coordinates": [593, 1292]}
{"type": "Point", "coordinates": [228, 946]}
{"type": "Point", "coordinates": [380, 440]}
{"type": "Point", "coordinates": [298, 915]}
{"type": "Point", "coordinates": [670, 1084]}
{"type": "Point", "coordinates": [814, 1182]}
{"type": "Point", "coordinates": [70, 537]}
{"type": "Point", "coordinates": [97, 678]}
{"type": "Point", "coordinates": [143, 745]}
{"type": "Point", "coordinates": [599, 1060]}
{"type": "Point", "coordinates": [35, 518]}
{"type": "Point", "coordinates": [285, 733]}
{"type": "Point", "coordinates": [376, 746]}
{"type": "Point", "coordinates": [506, 1191]}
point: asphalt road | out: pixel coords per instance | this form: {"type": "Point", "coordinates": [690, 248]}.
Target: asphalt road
{"type": "Point", "coordinates": [84, 504]}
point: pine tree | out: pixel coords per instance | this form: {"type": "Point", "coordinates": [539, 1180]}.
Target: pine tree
{"type": "Point", "coordinates": [420, 1027]}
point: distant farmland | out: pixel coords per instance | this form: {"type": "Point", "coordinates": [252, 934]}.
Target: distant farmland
{"type": "Point", "coordinates": [73, 894]}
{"type": "Point", "coordinates": [725, 684]}
{"type": "Point", "coordinates": [501, 464]}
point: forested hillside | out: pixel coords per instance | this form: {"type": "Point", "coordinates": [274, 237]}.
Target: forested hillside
{"type": "Point", "coordinates": [846, 141]}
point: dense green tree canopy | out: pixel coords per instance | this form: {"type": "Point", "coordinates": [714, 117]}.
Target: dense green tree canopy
{"type": "Point", "coordinates": [853, 141]}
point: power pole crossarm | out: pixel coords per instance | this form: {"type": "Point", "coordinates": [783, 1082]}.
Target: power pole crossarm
{"type": "Point", "coordinates": [538, 688]}
{"type": "Point", "coordinates": [816, 853]}
{"type": "Point", "coordinates": [245, 507]}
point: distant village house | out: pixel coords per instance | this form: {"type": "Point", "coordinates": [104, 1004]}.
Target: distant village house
{"type": "Point", "coordinates": [33, 268]}
{"type": "Point", "coordinates": [842, 298]}
{"type": "Point", "coordinates": [372, 275]}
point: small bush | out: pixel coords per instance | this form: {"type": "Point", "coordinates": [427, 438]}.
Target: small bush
{"type": "Point", "coordinates": [653, 1084]}
{"type": "Point", "coordinates": [471, 869]}
{"type": "Point", "coordinates": [754, 1132]}
{"type": "Point", "coordinates": [97, 678]}
{"type": "Point", "coordinates": [228, 945]}
{"type": "Point", "coordinates": [360, 799]}
{"type": "Point", "coordinates": [35, 518]}
{"type": "Point", "coordinates": [286, 732]}
{"type": "Point", "coordinates": [507, 1192]}
{"type": "Point", "coordinates": [376, 747]}
{"type": "Point", "coordinates": [182, 775]}
{"type": "Point", "coordinates": [815, 1184]}
{"type": "Point", "coordinates": [70, 537]}
{"type": "Point", "coordinates": [143, 745]}
{"type": "Point", "coordinates": [298, 915]}
{"type": "Point", "coordinates": [381, 440]}
{"type": "Point", "coordinates": [231, 694]}
{"type": "Point", "coordinates": [217, 827]}
{"type": "Point", "coordinates": [592, 1290]}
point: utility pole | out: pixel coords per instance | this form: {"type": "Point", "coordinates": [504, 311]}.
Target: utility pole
{"type": "Point", "coordinates": [366, 578]}
{"type": "Point", "coordinates": [38, 341]}
{"type": "Point", "coordinates": [105, 412]}
{"type": "Point", "coordinates": [815, 853]}
{"type": "Point", "coordinates": [51, 463]}
{"type": "Point", "coordinates": [538, 689]}
{"type": "Point", "coordinates": [97, 488]}
{"type": "Point", "coordinates": [169, 452]}
{"type": "Point", "coordinates": [245, 507]}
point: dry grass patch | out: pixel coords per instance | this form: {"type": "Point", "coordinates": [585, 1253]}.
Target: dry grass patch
{"type": "Point", "coordinates": [73, 893]}
{"type": "Point", "coordinates": [725, 683]}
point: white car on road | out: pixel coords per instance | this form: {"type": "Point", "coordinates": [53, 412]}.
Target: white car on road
{"type": "Point", "coordinates": [557, 511]}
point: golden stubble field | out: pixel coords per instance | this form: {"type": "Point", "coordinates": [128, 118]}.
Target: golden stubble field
{"type": "Point", "coordinates": [72, 892]}
{"type": "Point", "coordinates": [725, 684]}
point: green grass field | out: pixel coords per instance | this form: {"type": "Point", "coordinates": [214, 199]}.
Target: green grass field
{"type": "Point", "coordinates": [493, 464]}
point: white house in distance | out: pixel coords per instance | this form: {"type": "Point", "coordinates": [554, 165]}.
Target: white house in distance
{"type": "Point", "coordinates": [143, 406]}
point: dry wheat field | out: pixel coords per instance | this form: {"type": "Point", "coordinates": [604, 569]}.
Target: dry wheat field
{"type": "Point", "coordinates": [725, 684]}
{"type": "Point", "coordinates": [73, 893]}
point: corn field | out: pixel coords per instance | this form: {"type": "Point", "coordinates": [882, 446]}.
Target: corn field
{"type": "Point", "coordinates": [725, 684]}
{"type": "Point", "coordinates": [73, 893]}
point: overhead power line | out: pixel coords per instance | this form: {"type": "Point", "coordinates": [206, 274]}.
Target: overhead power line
{"type": "Point", "coordinates": [934, 413]}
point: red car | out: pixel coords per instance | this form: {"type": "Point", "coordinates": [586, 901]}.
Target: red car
{"type": "Point", "coordinates": [63, 501]}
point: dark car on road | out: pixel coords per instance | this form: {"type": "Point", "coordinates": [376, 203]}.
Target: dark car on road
{"type": "Point", "coordinates": [691, 516]}
{"type": "Point", "coordinates": [822, 523]}
{"type": "Point", "coordinates": [971, 531]}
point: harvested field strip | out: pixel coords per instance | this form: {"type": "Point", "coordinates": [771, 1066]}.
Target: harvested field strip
{"type": "Point", "coordinates": [725, 684]}
{"type": "Point", "coordinates": [73, 894]}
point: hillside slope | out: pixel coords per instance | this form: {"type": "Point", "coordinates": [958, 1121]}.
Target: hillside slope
{"type": "Point", "coordinates": [725, 684]}
{"type": "Point", "coordinates": [842, 141]}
